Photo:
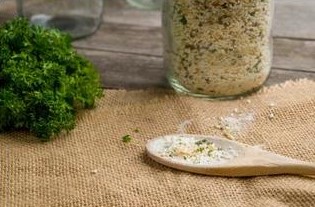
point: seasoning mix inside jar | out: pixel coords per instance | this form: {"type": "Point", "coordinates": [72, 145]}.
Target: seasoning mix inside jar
{"type": "Point", "coordinates": [217, 48]}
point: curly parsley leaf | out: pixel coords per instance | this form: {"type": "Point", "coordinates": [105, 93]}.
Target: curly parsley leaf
{"type": "Point", "coordinates": [43, 80]}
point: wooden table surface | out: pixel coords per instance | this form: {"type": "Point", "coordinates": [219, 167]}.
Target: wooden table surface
{"type": "Point", "coordinates": [127, 49]}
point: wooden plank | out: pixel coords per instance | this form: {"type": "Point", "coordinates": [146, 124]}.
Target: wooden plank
{"type": "Point", "coordinates": [121, 70]}
{"type": "Point", "coordinates": [295, 19]}
{"type": "Point", "coordinates": [125, 38]}
{"type": "Point", "coordinates": [128, 47]}
{"type": "Point", "coordinates": [7, 10]}
{"type": "Point", "coordinates": [294, 54]}
{"type": "Point", "coordinates": [279, 76]}
{"type": "Point", "coordinates": [135, 31]}
{"type": "Point", "coordinates": [132, 71]}
{"type": "Point", "coordinates": [133, 39]}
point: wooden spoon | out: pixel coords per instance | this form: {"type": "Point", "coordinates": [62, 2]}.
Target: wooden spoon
{"type": "Point", "coordinates": [246, 161]}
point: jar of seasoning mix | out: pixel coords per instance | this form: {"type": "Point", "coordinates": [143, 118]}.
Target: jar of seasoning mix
{"type": "Point", "coordinates": [217, 48]}
{"type": "Point", "coordinates": [79, 18]}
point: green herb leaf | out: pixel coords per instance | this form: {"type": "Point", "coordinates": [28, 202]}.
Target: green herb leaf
{"type": "Point", "coordinates": [43, 80]}
{"type": "Point", "coordinates": [126, 138]}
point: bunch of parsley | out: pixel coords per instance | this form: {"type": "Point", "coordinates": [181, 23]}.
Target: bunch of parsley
{"type": "Point", "coordinates": [43, 81]}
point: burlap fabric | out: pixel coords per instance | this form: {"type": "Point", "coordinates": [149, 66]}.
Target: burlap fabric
{"type": "Point", "coordinates": [91, 166]}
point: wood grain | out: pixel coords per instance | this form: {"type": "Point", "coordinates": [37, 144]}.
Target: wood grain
{"type": "Point", "coordinates": [294, 54]}
{"type": "Point", "coordinates": [125, 38]}
{"type": "Point", "coordinates": [134, 71]}
{"type": "Point", "coordinates": [123, 70]}
{"type": "Point", "coordinates": [295, 19]}
{"type": "Point", "coordinates": [292, 19]}
{"type": "Point", "coordinates": [144, 40]}
{"type": "Point", "coordinates": [127, 49]}
{"type": "Point", "coordinates": [7, 10]}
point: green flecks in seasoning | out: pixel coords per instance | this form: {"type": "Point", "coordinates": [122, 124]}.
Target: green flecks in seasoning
{"type": "Point", "coordinates": [183, 20]}
{"type": "Point", "coordinates": [200, 142]}
{"type": "Point", "coordinates": [126, 138]}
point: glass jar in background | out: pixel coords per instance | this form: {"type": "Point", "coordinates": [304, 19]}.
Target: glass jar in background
{"type": "Point", "coordinates": [146, 4]}
{"type": "Point", "coordinates": [217, 48]}
{"type": "Point", "coordinates": [79, 18]}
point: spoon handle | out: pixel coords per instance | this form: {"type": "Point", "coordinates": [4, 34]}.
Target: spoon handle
{"type": "Point", "coordinates": [299, 168]}
{"type": "Point", "coordinates": [261, 162]}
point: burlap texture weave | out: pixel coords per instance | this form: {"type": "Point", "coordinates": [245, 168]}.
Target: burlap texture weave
{"type": "Point", "coordinates": [91, 166]}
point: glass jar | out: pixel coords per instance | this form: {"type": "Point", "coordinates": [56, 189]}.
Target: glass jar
{"type": "Point", "coordinates": [217, 48]}
{"type": "Point", "coordinates": [79, 18]}
{"type": "Point", "coordinates": [146, 4]}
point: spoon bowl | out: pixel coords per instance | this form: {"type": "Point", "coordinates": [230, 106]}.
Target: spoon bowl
{"type": "Point", "coordinates": [223, 158]}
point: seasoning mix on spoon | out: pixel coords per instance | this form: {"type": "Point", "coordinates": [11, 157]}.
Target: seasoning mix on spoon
{"type": "Point", "coordinates": [187, 149]}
